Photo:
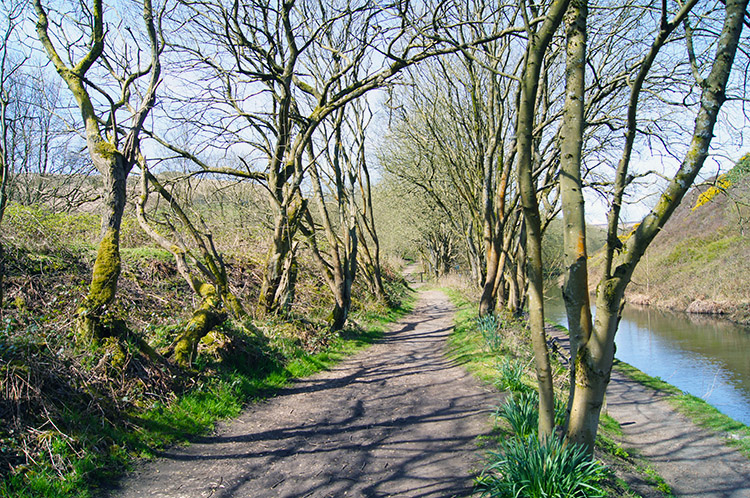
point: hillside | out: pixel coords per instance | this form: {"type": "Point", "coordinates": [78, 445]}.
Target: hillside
{"type": "Point", "coordinates": [700, 262]}
{"type": "Point", "coordinates": [72, 415]}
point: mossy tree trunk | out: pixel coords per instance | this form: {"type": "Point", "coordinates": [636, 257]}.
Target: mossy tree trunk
{"type": "Point", "coordinates": [593, 361]}
{"type": "Point", "coordinates": [92, 311]}
{"type": "Point", "coordinates": [112, 159]}
{"type": "Point", "coordinates": [208, 315]}
{"type": "Point", "coordinates": [217, 299]}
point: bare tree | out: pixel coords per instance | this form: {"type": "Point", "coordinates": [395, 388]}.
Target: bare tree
{"type": "Point", "coordinates": [113, 155]}
{"type": "Point", "coordinates": [198, 262]}
{"type": "Point", "coordinates": [278, 70]}
{"type": "Point", "coordinates": [595, 349]}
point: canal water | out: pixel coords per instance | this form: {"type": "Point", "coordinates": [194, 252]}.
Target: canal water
{"type": "Point", "coordinates": [704, 356]}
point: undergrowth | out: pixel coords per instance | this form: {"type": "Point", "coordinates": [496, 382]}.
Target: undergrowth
{"type": "Point", "coordinates": [508, 365]}
{"type": "Point", "coordinates": [81, 450]}
{"type": "Point", "coordinates": [74, 417]}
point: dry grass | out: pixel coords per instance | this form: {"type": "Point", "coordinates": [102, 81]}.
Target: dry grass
{"type": "Point", "coordinates": [461, 283]}
{"type": "Point", "coordinates": [699, 261]}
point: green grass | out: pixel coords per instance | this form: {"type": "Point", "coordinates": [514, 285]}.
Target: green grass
{"type": "Point", "coordinates": [98, 451]}
{"type": "Point", "coordinates": [609, 430]}
{"type": "Point", "coordinates": [644, 379]}
{"type": "Point", "coordinates": [699, 411]}
{"type": "Point", "coordinates": [699, 251]}
{"type": "Point", "coordinates": [499, 368]}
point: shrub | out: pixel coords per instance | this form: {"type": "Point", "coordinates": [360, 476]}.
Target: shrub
{"type": "Point", "coordinates": [532, 469]}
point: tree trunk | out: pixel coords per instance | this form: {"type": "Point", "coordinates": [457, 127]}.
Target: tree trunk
{"type": "Point", "coordinates": [2, 274]}
{"type": "Point", "coordinates": [488, 299]}
{"type": "Point", "coordinates": [274, 264]}
{"type": "Point", "coordinates": [575, 288]}
{"type": "Point", "coordinates": [205, 318]}
{"type": "Point", "coordinates": [537, 47]}
{"type": "Point", "coordinates": [92, 324]}
{"type": "Point", "coordinates": [594, 358]}
{"type": "Point", "coordinates": [285, 293]}
{"type": "Point", "coordinates": [286, 223]}
{"type": "Point", "coordinates": [372, 266]}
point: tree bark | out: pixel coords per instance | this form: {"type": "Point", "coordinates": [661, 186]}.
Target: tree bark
{"type": "Point", "coordinates": [537, 46]}
{"type": "Point", "coordinates": [205, 318]}
{"type": "Point", "coordinates": [575, 287]}
{"type": "Point", "coordinates": [92, 323]}
{"type": "Point", "coordinates": [594, 358]}
{"type": "Point", "coordinates": [112, 163]}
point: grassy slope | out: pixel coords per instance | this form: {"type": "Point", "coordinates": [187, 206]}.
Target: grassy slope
{"type": "Point", "coordinates": [71, 419]}
{"type": "Point", "coordinates": [700, 258]}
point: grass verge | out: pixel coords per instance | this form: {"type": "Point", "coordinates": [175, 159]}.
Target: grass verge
{"type": "Point", "coordinates": [497, 363]}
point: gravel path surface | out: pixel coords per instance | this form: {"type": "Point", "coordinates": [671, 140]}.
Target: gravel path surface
{"type": "Point", "coordinates": [398, 419]}
{"type": "Point", "coordinates": [695, 462]}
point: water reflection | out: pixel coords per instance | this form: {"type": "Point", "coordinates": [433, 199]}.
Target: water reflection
{"type": "Point", "coordinates": [703, 356]}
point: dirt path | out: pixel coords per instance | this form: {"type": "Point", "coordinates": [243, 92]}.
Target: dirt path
{"type": "Point", "coordinates": [398, 419]}
{"type": "Point", "coordinates": [693, 461]}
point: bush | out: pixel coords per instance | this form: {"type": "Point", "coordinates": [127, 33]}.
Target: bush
{"type": "Point", "coordinates": [530, 469]}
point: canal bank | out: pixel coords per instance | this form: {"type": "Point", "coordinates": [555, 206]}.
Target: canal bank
{"type": "Point", "coordinates": [703, 356]}
{"type": "Point", "coordinates": [693, 461]}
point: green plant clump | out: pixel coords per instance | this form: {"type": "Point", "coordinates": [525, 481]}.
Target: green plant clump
{"type": "Point", "coordinates": [533, 469]}
{"type": "Point", "coordinates": [489, 326]}
{"type": "Point", "coordinates": [520, 411]}
{"type": "Point", "coordinates": [512, 373]}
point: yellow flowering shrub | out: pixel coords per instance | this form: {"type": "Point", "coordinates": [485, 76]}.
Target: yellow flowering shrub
{"type": "Point", "coordinates": [723, 182]}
